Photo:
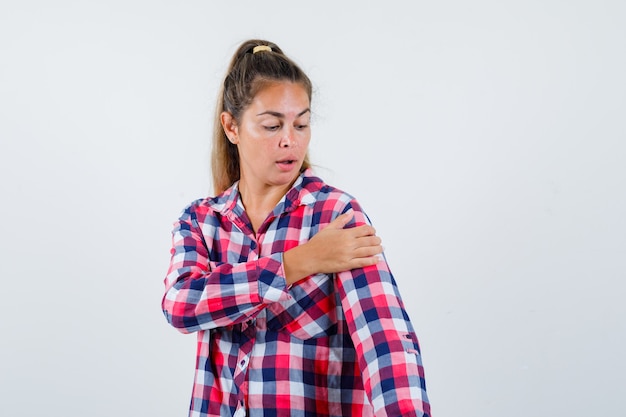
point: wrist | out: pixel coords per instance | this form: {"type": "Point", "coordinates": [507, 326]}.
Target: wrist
{"type": "Point", "coordinates": [294, 264]}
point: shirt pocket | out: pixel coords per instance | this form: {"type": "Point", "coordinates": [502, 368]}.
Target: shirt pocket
{"type": "Point", "coordinates": [311, 311]}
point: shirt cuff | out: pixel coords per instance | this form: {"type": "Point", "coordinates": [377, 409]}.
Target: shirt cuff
{"type": "Point", "coordinates": [271, 281]}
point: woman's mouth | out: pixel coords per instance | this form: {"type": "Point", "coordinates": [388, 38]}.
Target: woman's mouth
{"type": "Point", "coordinates": [286, 164]}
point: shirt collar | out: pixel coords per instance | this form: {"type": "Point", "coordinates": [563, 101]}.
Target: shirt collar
{"type": "Point", "coordinates": [303, 192]}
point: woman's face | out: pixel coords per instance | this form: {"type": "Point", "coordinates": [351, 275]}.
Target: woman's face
{"type": "Point", "coordinates": [272, 135]}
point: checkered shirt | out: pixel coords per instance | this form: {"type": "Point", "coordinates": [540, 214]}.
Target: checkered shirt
{"type": "Point", "coordinates": [329, 345]}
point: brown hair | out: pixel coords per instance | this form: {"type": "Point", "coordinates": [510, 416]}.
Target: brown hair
{"type": "Point", "coordinates": [247, 74]}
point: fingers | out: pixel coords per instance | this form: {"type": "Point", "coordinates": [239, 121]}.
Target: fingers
{"type": "Point", "coordinates": [341, 220]}
{"type": "Point", "coordinates": [336, 248]}
{"type": "Point", "coordinates": [367, 240]}
{"type": "Point", "coordinates": [363, 262]}
{"type": "Point", "coordinates": [367, 251]}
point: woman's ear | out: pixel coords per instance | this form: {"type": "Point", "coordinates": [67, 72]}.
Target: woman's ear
{"type": "Point", "coordinates": [230, 127]}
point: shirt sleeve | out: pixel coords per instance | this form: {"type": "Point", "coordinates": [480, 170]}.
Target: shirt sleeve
{"type": "Point", "coordinates": [386, 345]}
{"type": "Point", "coordinates": [202, 295]}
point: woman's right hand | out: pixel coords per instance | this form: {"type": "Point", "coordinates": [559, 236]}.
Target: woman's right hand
{"type": "Point", "coordinates": [333, 249]}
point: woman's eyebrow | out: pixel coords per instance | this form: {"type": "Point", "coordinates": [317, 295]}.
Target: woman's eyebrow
{"type": "Point", "coordinates": [281, 115]}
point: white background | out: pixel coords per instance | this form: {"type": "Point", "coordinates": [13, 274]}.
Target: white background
{"type": "Point", "coordinates": [485, 139]}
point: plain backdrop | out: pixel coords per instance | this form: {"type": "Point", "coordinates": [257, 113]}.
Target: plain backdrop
{"type": "Point", "coordinates": [485, 139]}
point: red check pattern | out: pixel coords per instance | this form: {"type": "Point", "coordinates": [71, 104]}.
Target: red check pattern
{"type": "Point", "coordinates": [338, 345]}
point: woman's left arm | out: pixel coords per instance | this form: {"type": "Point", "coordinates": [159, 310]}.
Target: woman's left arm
{"type": "Point", "coordinates": [386, 345]}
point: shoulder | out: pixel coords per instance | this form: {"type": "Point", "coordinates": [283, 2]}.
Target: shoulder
{"type": "Point", "coordinates": [211, 206]}
{"type": "Point", "coordinates": [200, 205]}
{"type": "Point", "coordinates": [329, 201]}
{"type": "Point", "coordinates": [202, 210]}
{"type": "Point", "coordinates": [314, 189]}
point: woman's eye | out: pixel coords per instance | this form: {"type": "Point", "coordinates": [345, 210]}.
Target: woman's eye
{"type": "Point", "coordinates": [271, 128]}
{"type": "Point", "coordinates": [301, 127]}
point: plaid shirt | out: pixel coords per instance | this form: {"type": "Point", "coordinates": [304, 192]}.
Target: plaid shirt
{"type": "Point", "coordinates": [329, 345]}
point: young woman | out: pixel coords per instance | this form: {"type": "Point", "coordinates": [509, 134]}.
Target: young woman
{"type": "Point", "coordinates": [281, 275]}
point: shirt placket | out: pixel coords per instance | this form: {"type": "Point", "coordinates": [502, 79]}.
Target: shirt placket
{"type": "Point", "coordinates": [248, 332]}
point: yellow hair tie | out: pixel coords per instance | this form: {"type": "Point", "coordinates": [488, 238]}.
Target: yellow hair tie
{"type": "Point", "coordinates": [260, 48]}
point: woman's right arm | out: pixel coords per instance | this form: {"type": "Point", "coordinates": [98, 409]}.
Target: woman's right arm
{"type": "Point", "coordinates": [202, 295]}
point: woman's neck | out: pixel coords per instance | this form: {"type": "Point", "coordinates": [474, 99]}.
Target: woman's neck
{"type": "Point", "coordinates": [260, 201]}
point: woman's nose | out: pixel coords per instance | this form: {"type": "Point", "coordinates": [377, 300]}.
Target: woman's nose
{"type": "Point", "coordinates": [287, 139]}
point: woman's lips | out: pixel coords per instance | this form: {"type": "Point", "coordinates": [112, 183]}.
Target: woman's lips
{"type": "Point", "coordinates": [286, 164]}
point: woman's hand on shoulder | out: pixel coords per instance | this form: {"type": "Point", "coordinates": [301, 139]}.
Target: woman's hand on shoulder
{"type": "Point", "coordinates": [334, 249]}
